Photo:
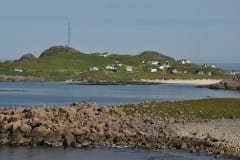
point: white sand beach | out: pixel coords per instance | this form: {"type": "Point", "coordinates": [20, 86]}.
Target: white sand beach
{"type": "Point", "coordinates": [184, 81]}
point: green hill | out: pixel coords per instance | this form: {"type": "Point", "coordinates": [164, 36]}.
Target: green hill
{"type": "Point", "coordinates": [58, 50]}
{"type": "Point", "coordinates": [27, 57]}
{"type": "Point", "coordinates": [62, 63]}
{"type": "Point", "coordinates": [149, 55]}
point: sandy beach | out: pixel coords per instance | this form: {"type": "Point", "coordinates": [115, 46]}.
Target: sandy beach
{"type": "Point", "coordinates": [184, 81]}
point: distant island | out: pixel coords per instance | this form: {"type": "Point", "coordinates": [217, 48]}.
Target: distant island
{"type": "Point", "coordinates": [61, 63]}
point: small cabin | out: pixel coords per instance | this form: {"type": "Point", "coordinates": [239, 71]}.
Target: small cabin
{"type": "Point", "coordinates": [213, 66]}
{"type": "Point", "coordinates": [166, 64]}
{"type": "Point", "coordinates": [129, 69]}
{"type": "Point", "coordinates": [175, 71]}
{"type": "Point", "coordinates": [93, 69]}
{"type": "Point", "coordinates": [119, 65]}
{"type": "Point", "coordinates": [205, 65]}
{"type": "Point", "coordinates": [19, 69]}
{"type": "Point", "coordinates": [161, 67]}
{"type": "Point", "coordinates": [112, 68]}
{"type": "Point", "coordinates": [152, 62]}
{"type": "Point", "coordinates": [152, 70]}
{"type": "Point", "coordinates": [200, 73]}
{"type": "Point", "coordinates": [185, 61]}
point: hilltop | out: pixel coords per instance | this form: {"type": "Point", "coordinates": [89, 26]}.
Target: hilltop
{"type": "Point", "coordinates": [58, 50]}
{"type": "Point", "coordinates": [60, 63]}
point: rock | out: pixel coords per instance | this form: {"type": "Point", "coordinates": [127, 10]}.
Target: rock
{"type": "Point", "coordinates": [40, 131]}
{"type": "Point", "coordinates": [4, 138]}
{"type": "Point", "coordinates": [184, 145]}
{"type": "Point", "coordinates": [85, 125]}
{"type": "Point", "coordinates": [68, 139]}
{"type": "Point", "coordinates": [26, 129]}
{"type": "Point", "coordinates": [36, 123]}
{"type": "Point", "coordinates": [232, 84]}
{"type": "Point", "coordinates": [53, 139]}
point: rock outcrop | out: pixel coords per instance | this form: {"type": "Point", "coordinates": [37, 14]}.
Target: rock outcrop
{"type": "Point", "coordinates": [83, 125]}
{"type": "Point", "coordinates": [231, 84]}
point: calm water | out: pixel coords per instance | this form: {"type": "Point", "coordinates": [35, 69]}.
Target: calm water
{"type": "Point", "coordinates": [24, 153]}
{"type": "Point", "coordinates": [33, 94]}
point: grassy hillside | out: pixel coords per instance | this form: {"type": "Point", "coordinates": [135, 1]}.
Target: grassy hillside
{"type": "Point", "coordinates": [62, 63]}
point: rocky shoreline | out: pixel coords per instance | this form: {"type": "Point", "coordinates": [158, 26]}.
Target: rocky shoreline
{"type": "Point", "coordinates": [8, 78]}
{"type": "Point", "coordinates": [110, 82]}
{"type": "Point", "coordinates": [231, 84]}
{"type": "Point", "coordinates": [84, 125]}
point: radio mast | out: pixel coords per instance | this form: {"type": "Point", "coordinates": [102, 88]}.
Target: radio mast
{"type": "Point", "coordinates": [69, 34]}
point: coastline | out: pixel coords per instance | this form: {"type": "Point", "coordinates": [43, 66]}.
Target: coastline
{"type": "Point", "coordinates": [184, 81]}
{"type": "Point", "coordinates": [84, 125]}
{"type": "Point", "coordinates": [7, 78]}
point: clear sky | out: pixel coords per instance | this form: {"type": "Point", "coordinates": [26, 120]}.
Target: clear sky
{"type": "Point", "coordinates": [201, 30]}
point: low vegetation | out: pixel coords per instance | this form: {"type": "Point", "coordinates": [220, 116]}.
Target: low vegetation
{"type": "Point", "coordinates": [61, 63]}
{"type": "Point", "coordinates": [213, 108]}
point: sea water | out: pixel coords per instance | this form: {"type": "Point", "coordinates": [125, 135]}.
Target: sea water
{"type": "Point", "coordinates": [45, 153]}
{"type": "Point", "coordinates": [50, 93]}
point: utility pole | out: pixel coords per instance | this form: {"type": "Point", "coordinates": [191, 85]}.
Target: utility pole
{"type": "Point", "coordinates": [69, 34]}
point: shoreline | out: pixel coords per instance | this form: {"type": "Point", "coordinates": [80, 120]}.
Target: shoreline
{"type": "Point", "coordinates": [84, 125]}
{"type": "Point", "coordinates": [146, 82]}
{"type": "Point", "coordinates": [7, 78]}
{"type": "Point", "coordinates": [185, 81]}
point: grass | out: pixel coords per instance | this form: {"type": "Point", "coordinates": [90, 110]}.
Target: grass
{"type": "Point", "coordinates": [65, 63]}
{"type": "Point", "coordinates": [214, 108]}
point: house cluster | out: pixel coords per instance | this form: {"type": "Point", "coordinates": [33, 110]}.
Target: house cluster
{"type": "Point", "coordinates": [185, 61]}
{"type": "Point", "coordinates": [113, 68]}
{"type": "Point", "coordinates": [157, 65]}
{"type": "Point", "coordinates": [212, 66]}
{"type": "Point", "coordinates": [202, 73]}
{"type": "Point", "coordinates": [105, 54]}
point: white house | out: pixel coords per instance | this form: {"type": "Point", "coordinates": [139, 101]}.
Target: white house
{"type": "Point", "coordinates": [152, 70]}
{"type": "Point", "coordinates": [200, 73]}
{"type": "Point", "coordinates": [18, 69]}
{"type": "Point", "coordinates": [109, 67]}
{"type": "Point", "coordinates": [188, 61]}
{"type": "Point", "coordinates": [209, 73]}
{"type": "Point", "coordinates": [213, 66]}
{"type": "Point", "coordinates": [93, 69]}
{"type": "Point", "coordinates": [185, 61]}
{"type": "Point", "coordinates": [205, 65]}
{"type": "Point", "coordinates": [166, 64]}
{"type": "Point", "coordinates": [119, 65]}
{"type": "Point", "coordinates": [154, 62]}
{"type": "Point", "coordinates": [129, 69]}
{"type": "Point", "coordinates": [161, 67]}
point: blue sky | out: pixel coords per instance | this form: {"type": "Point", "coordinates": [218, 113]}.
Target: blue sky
{"type": "Point", "coordinates": [201, 30]}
